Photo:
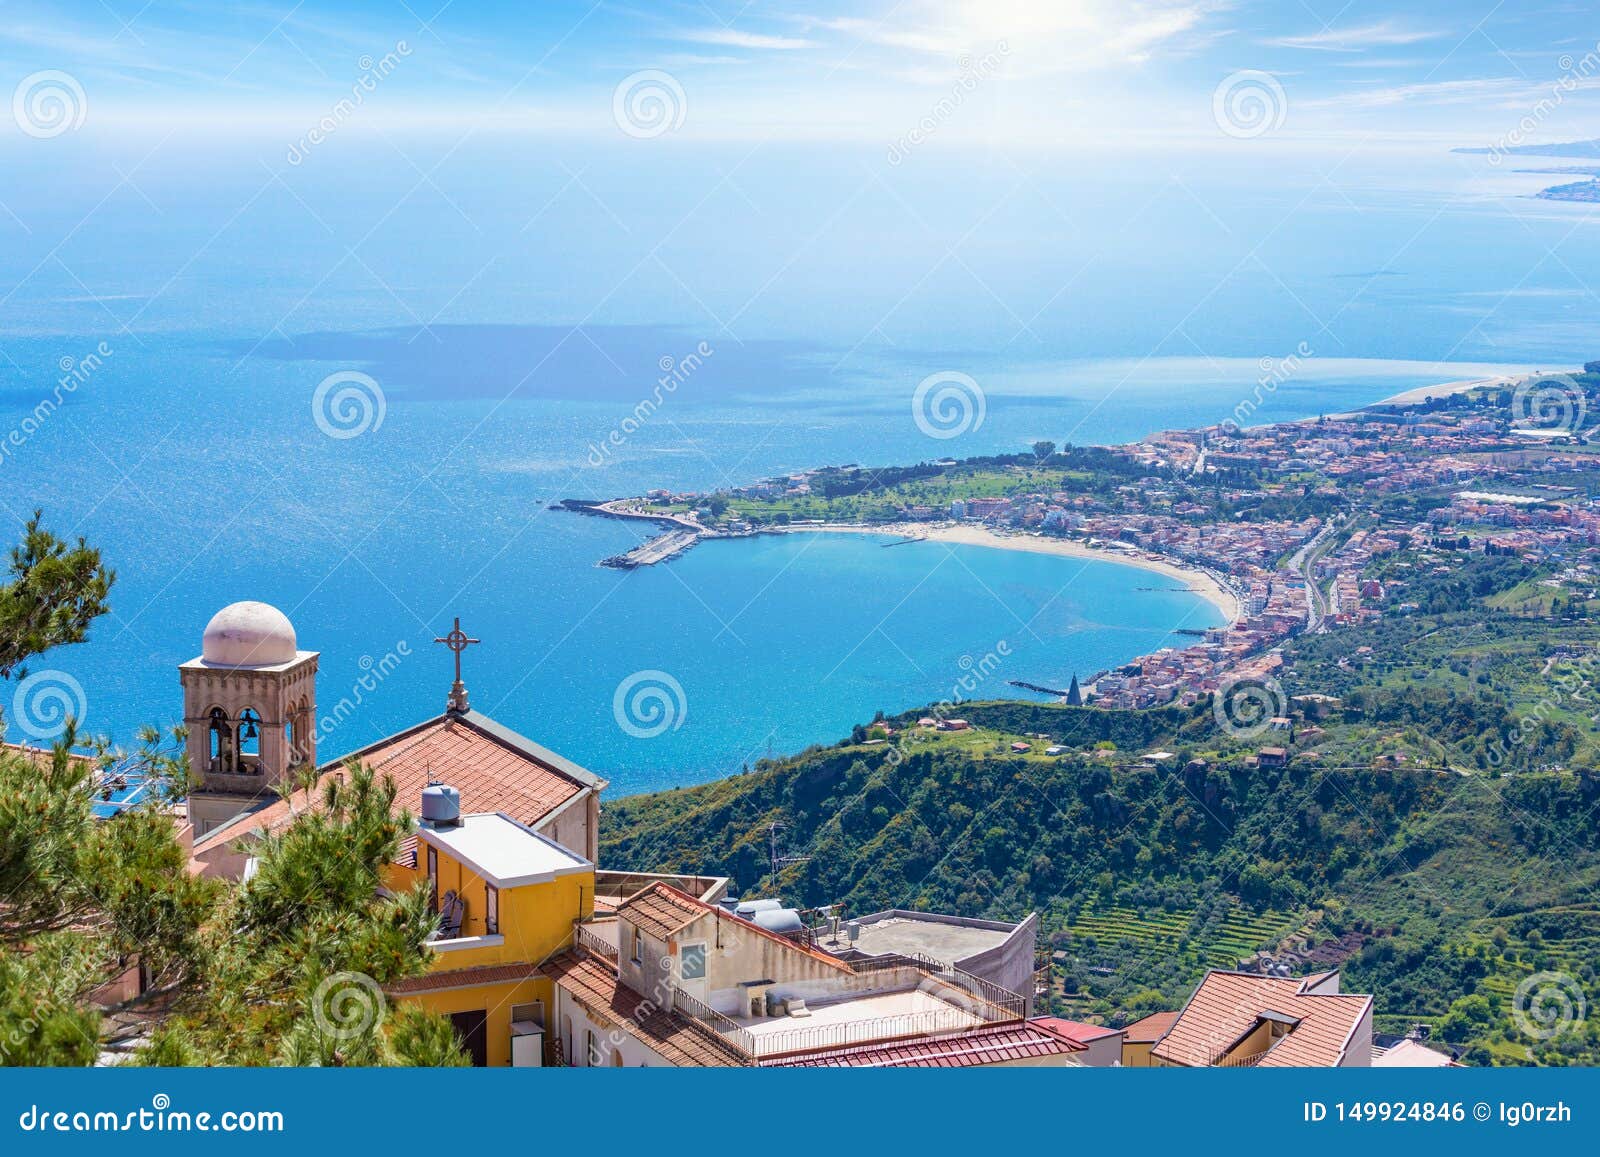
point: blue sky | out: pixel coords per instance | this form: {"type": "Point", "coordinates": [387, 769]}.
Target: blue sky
{"type": "Point", "coordinates": [1049, 71]}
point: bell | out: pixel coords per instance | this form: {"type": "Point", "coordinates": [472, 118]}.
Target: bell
{"type": "Point", "coordinates": [250, 731]}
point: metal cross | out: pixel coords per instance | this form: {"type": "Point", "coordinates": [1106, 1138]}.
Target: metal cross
{"type": "Point", "coordinates": [458, 641]}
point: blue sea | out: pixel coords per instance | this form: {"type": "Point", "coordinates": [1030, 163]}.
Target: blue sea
{"type": "Point", "coordinates": [508, 305]}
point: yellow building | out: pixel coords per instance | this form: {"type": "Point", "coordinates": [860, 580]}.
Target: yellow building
{"type": "Point", "coordinates": [508, 899]}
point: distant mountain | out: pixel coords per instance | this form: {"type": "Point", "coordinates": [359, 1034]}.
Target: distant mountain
{"type": "Point", "coordinates": [1587, 191]}
{"type": "Point", "coordinates": [1569, 149]}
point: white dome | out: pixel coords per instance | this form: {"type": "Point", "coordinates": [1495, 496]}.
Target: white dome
{"type": "Point", "coordinates": [248, 635]}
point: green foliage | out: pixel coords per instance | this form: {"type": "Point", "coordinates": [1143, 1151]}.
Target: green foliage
{"type": "Point", "coordinates": [54, 591]}
{"type": "Point", "coordinates": [295, 963]}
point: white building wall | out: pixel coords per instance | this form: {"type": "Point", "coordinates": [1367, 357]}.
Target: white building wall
{"type": "Point", "coordinates": [573, 1024]}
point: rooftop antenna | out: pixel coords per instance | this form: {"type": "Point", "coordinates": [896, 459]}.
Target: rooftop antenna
{"type": "Point", "coordinates": [778, 861]}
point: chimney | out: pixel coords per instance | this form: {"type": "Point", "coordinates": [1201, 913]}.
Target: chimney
{"type": "Point", "coordinates": [441, 806]}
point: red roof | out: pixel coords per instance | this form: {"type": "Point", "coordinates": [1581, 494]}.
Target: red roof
{"type": "Point", "coordinates": [982, 1046]}
{"type": "Point", "coordinates": [463, 978]}
{"type": "Point", "coordinates": [1149, 1029]}
{"type": "Point", "coordinates": [494, 769]}
{"type": "Point", "coordinates": [1229, 1005]}
{"type": "Point", "coordinates": [1075, 1030]}
{"type": "Point", "coordinates": [661, 910]}
{"type": "Point", "coordinates": [593, 984]}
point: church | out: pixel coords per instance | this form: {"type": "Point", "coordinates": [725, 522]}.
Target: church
{"type": "Point", "coordinates": [250, 705]}
{"type": "Point", "coordinates": [542, 958]}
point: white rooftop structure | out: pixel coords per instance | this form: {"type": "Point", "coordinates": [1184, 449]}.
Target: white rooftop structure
{"type": "Point", "coordinates": [503, 852]}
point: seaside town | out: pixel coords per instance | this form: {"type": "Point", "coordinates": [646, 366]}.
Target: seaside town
{"type": "Point", "coordinates": [1287, 525]}
{"type": "Point", "coordinates": [475, 924]}
{"type": "Point", "coordinates": [535, 956]}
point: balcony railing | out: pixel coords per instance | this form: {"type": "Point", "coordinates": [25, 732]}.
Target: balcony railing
{"type": "Point", "coordinates": [709, 1020]}
{"type": "Point", "coordinates": [595, 943]}
{"type": "Point", "coordinates": [930, 1023]}
{"type": "Point", "coordinates": [1244, 1062]}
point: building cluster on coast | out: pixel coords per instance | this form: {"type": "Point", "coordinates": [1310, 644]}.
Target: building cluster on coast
{"type": "Point", "coordinates": [1297, 520]}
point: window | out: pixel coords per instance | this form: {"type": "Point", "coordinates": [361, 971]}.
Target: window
{"type": "Point", "coordinates": [433, 880]}
{"type": "Point", "coordinates": [692, 962]}
{"type": "Point", "coordinates": [491, 909]}
{"type": "Point", "coordinates": [638, 946]}
{"type": "Point", "coordinates": [594, 1050]}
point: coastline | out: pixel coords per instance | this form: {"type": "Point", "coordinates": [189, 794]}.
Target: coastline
{"type": "Point", "coordinates": [1197, 581]}
{"type": "Point", "coordinates": [1448, 389]}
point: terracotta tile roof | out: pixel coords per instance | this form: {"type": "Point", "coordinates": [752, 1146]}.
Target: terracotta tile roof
{"type": "Point", "coordinates": [1228, 1005]}
{"type": "Point", "coordinates": [1074, 1030]}
{"type": "Point", "coordinates": [463, 978]}
{"type": "Point", "coordinates": [661, 910]}
{"type": "Point", "coordinates": [593, 984]}
{"type": "Point", "coordinates": [1149, 1029]}
{"type": "Point", "coordinates": [983, 1046]}
{"type": "Point", "coordinates": [493, 768]}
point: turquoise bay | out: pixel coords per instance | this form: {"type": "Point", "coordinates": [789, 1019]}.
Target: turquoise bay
{"type": "Point", "coordinates": [191, 455]}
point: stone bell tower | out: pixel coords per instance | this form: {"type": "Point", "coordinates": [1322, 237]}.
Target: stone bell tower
{"type": "Point", "coordinates": [250, 703]}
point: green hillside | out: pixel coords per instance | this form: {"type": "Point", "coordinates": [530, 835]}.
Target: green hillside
{"type": "Point", "coordinates": [1433, 888]}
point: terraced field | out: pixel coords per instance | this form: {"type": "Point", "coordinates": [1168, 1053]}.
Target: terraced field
{"type": "Point", "coordinates": [1122, 935]}
{"type": "Point", "coordinates": [1563, 939]}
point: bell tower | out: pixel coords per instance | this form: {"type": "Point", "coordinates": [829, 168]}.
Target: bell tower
{"type": "Point", "coordinates": [250, 704]}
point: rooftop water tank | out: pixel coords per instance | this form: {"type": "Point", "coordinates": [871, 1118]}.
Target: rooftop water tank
{"type": "Point", "coordinates": [441, 806]}
{"type": "Point", "coordinates": [749, 908]}
{"type": "Point", "coordinates": [783, 921]}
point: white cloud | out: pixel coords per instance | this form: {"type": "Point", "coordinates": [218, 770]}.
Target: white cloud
{"type": "Point", "coordinates": [1052, 35]}
{"type": "Point", "coordinates": [733, 38]}
{"type": "Point", "coordinates": [1384, 34]}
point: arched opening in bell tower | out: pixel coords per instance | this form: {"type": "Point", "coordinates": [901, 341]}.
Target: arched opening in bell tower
{"type": "Point", "coordinates": [250, 739]}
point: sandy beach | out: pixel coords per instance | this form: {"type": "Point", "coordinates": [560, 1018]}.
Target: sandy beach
{"type": "Point", "coordinates": [1196, 581]}
{"type": "Point", "coordinates": [1445, 389]}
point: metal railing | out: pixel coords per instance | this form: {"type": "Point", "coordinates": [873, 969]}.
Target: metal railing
{"type": "Point", "coordinates": [927, 1024]}
{"type": "Point", "coordinates": [724, 1028]}
{"type": "Point", "coordinates": [1245, 1062]}
{"type": "Point", "coordinates": [594, 942]}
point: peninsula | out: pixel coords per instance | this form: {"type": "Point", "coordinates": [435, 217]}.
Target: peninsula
{"type": "Point", "coordinates": [1288, 529]}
